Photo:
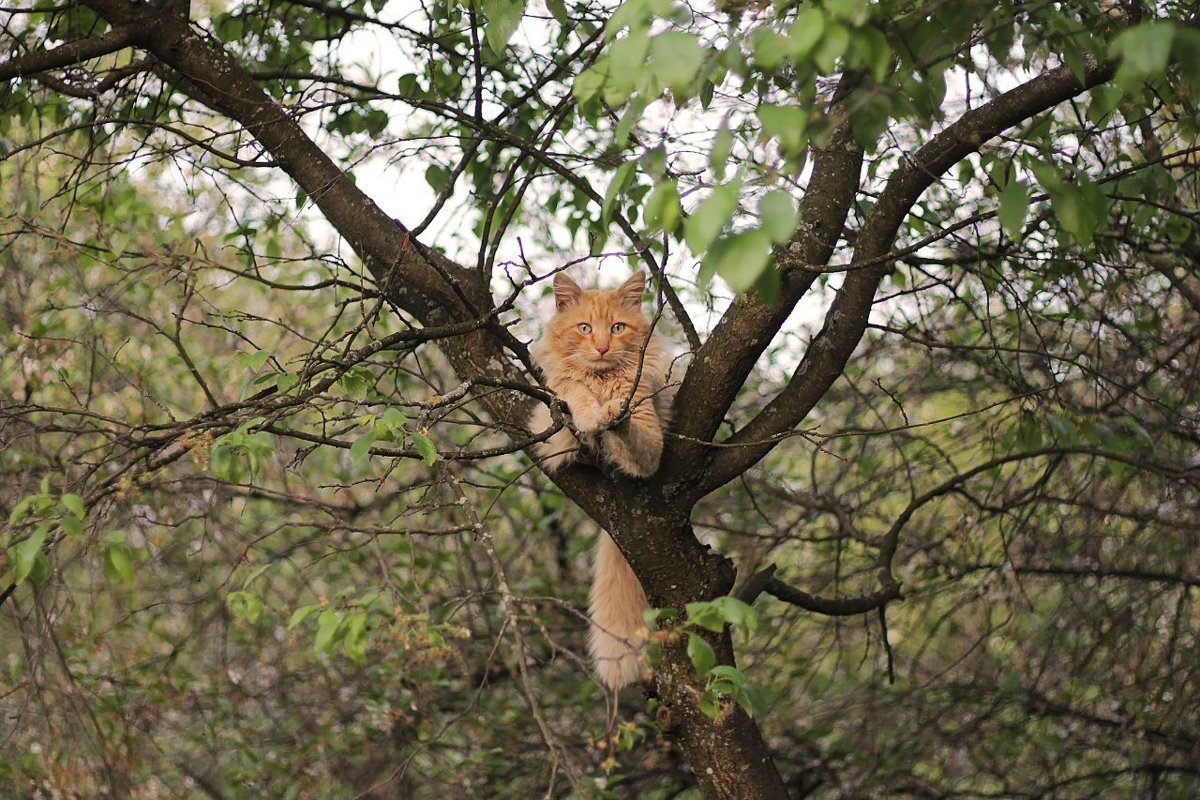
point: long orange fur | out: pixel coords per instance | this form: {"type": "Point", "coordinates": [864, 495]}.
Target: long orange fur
{"type": "Point", "coordinates": [600, 356]}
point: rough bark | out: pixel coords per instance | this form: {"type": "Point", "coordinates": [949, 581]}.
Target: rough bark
{"type": "Point", "coordinates": [648, 520]}
{"type": "Point", "coordinates": [724, 751]}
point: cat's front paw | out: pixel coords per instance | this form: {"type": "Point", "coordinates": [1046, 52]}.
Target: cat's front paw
{"type": "Point", "coordinates": [601, 417]}
{"type": "Point", "coordinates": [613, 410]}
{"type": "Point", "coordinates": [589, 418]}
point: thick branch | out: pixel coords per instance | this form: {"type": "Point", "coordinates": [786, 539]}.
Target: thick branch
{"type": "Point", "coordinates": [404, 269]}
{"type": "Point", "coordinates": [720, 368]}
{"type": "Point", "coordinates": [765, 581]}
{"type": "Point", "coordinates": [67, 55]}
{"type": "Point", "coordinates": [833, 607]}
{"type": "Point", "coordinates": [847, 317]}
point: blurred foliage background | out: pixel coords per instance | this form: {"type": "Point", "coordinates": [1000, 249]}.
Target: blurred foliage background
{"type": "Point", "coordinates": [261, 542]}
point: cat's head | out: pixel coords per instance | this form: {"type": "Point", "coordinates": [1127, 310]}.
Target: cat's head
{"type": "Point", "coordinates": [598, 331]}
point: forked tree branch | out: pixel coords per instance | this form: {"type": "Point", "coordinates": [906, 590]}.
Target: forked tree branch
{"type": "Point", "coordinates": [729, 754]}
{"type": "Point", "coordinates": [721, 366]}
{"type": "Point", "coordinates": [847, 317]}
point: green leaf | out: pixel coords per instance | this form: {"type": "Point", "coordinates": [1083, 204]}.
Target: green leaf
{"type": "Point", "coordinates": [710, 704]}
{"type": "Point", "coordinates": [1187, 55]}
{"type": "Point", "coordinates": [24, 554]}
{"type": "Point", "coordinates": [244, 605]}
{"type": "Point", "coordinates": [327, 626]}
{"type": "Point", "coordinates": [631, 117]}
{"type": "Point", "coordinates": [627, 64]}
{"type": "Point", "coordinates": [301, 614]}
{"type": "Point", "coordinates": [654, 162]}
{"type": "Point", "coordinates": [1028, 432]}
{"type": "Point", "coordinates": [676, 58]}
{"type": "Point", "coordinates": [871, 48]}
{"type": "Point", "coordinates": [356, 382]}
{"type": "Point", "coordinates": [737, 612]}
{"type": "Point", "coordinates": [22, 507]}
{"type": "Point", "coordinates": [1134, 428]}
{"type": "Point", "coordinates": [785, 123]}
{"type": "Point", "coordinates": [756, 701]}
{"type": "Point", "coordinates": [1064, 430]}
{"type": "Point", "coordinates": [41, 568]}
{"type": "Point", "coordinates": [778, 215]}
{"type": "Point", "coordinates": [743, 259]}
{"type": "Point", "coordinates": [1104, 99]}
{"type": "Point", "coordinates": [425, 447]}
{"type": "Point", "coordinates": [224, 463]}
{"type": "Point", "coordinates": [74, 504]}
{"type": "Point", "coordinates": [118, 241]}
{"type": "Point", "coordinates": [503, 17]}
{"type": "Point", "coordinates": [391, 425]}
{"type": "Point", "coordinates": [253, 361]}
{"type": "Point", "coordinates": [730, 676]}
{"type": "Point", "coordinates": [1014, 203]}
{"type": "Point", "coordinates": [617, 185]}
{"type": "Point", "coordinates": [662, 210]}
{"type": "Point", "coordinates": [258, 571]}
{"type": "Point", "coordinates": [870, 114]}
{"type": "Point", "coordinates": [806, 32]}
{"type": "Point", "coordinates": [856, 12]}
{"type": "Point", "coordinates": [708, 264]}
{"type": "Point", "coordinates": [706, 615]}
{"type": "Point", "coordinates": [771, 48]}
{"type": "Point", "coordinates": [438, 177]}
{"type": "Point", "coordinates": [72, 526]}
{"type": "Point", "coordinates": [354, 643]}
{"type": "Point", "coordinates": [1144, 51]}
{"type": "Point", "coordinates": [632, 14]}
{"type": "Point", "coordinates": [362, 445]}
{"type": "Point", "coordinates": [832, 46]}
{"type": "Point", "coordinates": [702, 655]}
{"type": "Point", "coordinates": [1047, 175]}
{"type": "Point", "coordinates": [710, 217]}
{"type": "Point", "coordinates": [589, 83]}
{"type": "Point", "coordinates": [367, 600]}
{"type": "Point", "coordinates": [118, 563]}
{"type": "Point", "coordinates": [284, 381]}
{"type": "Point", "coordinates": [1081, 208]}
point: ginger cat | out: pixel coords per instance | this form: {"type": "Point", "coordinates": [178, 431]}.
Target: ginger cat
{"type": "Point", "coordinates": [600, 356]}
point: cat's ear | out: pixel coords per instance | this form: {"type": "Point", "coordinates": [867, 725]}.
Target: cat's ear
{"type": "Point", "coordinates": [566, 292]}
{"type": "Point", "coordinates": [630, 292]}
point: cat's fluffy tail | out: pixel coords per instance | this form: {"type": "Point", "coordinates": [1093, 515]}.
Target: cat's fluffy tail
{"type": "Point", "coordinates": [618, 608]}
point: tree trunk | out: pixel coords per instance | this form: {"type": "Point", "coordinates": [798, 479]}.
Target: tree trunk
{"type": "Point", "coordinates": [728, 753]}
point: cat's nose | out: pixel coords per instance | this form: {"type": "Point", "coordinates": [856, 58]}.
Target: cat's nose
{"type": "Point", "coordinates": [601, 348]}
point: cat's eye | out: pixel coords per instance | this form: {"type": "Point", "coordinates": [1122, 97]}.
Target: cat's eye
{"type": "Point", "coordinates": [585, 328]}
{"type": "Point", "coordinates": [618, 327]}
